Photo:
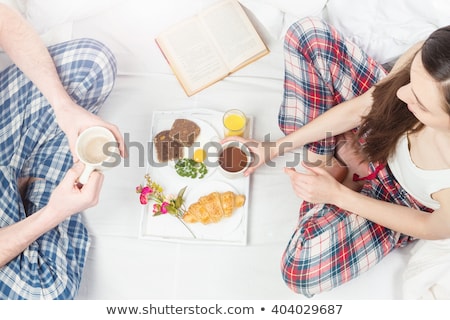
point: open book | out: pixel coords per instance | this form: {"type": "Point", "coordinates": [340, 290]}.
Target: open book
{"type": "Point", "coordinates": [211, 45]}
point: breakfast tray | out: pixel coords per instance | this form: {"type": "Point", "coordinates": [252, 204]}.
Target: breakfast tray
{"type": "Point", "coordinates": [232, 230]}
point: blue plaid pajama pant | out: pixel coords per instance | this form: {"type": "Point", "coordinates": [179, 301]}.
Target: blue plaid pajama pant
{"type": "Point", "coordinates": [32, 145]}
{"type": "Point", "coordinates": [331, 246]}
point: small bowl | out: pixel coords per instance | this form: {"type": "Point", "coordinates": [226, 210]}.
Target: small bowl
{"type": "Point", "coordinates": [234, 158]}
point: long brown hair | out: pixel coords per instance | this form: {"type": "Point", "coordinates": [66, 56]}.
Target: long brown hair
{"type": "Point", "coordinates": [389, 117]}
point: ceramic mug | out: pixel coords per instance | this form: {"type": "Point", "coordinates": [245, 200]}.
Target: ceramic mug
{"type": "Point", "coordinates": [234, 158]}
{"type": "Point", "coordinates": [95, 147]}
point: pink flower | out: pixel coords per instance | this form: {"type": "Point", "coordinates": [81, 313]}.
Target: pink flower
{"type": "Point", "coordinates": [164, 207]}
{"type": "Point", "coordinates": [143, 198]}
{"type": "Point", "coordinates": [146, 190]}
{"type": "Point", "coordinates": [156, 208]}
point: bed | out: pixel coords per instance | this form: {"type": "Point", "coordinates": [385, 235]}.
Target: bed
{"type": "Point", "coordinates": [123, 265]}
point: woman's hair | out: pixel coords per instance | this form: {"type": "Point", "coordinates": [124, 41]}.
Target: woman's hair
{"type": "Point", "coordinates": [436, 61]}
{"type": "Point", "coordinates": [389, 117]}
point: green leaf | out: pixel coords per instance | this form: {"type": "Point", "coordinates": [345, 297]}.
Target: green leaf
{"type": "Point", "coordinates": [179, 199]}
{"type": "Point", "coordinates": [181, 192]}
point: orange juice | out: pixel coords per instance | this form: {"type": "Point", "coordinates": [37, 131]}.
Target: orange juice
{"type": "Point", "coordinates": [234, 122]}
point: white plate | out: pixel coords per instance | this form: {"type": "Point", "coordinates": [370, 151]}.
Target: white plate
{"type": "Point", "coordinates": [221, 228]}
{"type": "Point", "coordinates": [207, 139]}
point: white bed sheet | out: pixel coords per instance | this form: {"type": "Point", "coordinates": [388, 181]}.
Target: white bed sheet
{"type": "Point", "coordinates": [122, 266]}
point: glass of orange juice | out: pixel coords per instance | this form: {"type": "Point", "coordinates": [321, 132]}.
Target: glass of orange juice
{"type": "Point", "coordinates": [234, 123]}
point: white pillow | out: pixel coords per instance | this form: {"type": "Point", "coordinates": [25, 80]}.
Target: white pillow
{"type": "Point", "coordinates": [14, 4]}
{"type": "Point", "coordinates": [47, 14]}
{"type": "Point", "coordinates": [298, 8]}
{"type": "Point", "coordinates": [270, 17]}
{"type": "Point", "coordinates": [386, 28]}
{"type": "Point", "coordinates": [278, 15]}
{"type": "Point", "coordinates": [53, 19]}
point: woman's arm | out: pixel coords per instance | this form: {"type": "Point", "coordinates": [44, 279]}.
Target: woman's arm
{"type": "Point", "coordinates": [341, 118]}
{"type": "Point", "coordinates": [317, 186]}
{"type": "Point", "coordinates": [403, 219]}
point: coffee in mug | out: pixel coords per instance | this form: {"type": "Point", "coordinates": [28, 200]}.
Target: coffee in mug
{"type": "Point", "coordinates": [95, 150]}
{"type": "Point", "coordinates": [234, 159]}
{"type": "Point", "coordinates": [95, 147]}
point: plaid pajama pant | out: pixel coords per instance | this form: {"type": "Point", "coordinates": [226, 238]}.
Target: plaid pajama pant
{"type": "Point", "coordinates": [32, 145]}
{"type": "Point", "coordinates": [331, 246]}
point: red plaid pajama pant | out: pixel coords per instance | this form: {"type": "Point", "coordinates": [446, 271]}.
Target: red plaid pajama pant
{"type": "Point", "coordinates": [331, 246]}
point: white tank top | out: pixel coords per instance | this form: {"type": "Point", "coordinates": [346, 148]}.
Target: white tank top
{"type": "Point", "coordinates": [419, 183]}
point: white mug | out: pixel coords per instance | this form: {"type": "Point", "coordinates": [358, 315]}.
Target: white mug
{"type": "Point", "coordinates": [234, 158]}
{"type": "Point", "coordinates": [95, 147]}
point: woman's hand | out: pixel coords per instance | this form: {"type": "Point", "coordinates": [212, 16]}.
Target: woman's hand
{"type": "Point", "coordinates": [315, 185]}
{"type": "Point", "coordinates": [73, 119]}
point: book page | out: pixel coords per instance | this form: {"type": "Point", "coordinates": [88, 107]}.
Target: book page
{"type": "Point", "coordinates": [233, 33]}
{"type": "Point", "coordinates": [192, 55]}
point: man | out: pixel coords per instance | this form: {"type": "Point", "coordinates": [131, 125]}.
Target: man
{"type": "Point", "coordinates": [47, 98]}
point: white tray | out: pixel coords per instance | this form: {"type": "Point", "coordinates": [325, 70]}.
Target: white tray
{"type": "Point", "coordinates": [232, 230]}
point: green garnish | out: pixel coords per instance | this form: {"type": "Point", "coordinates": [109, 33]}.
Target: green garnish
{"type": "Point", "coordinates": [190, 168]}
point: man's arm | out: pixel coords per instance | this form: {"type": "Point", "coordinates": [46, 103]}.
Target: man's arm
{"type": "Point", "coordinates": [25, 48]}
{"type": "Point", "coordinates": [28, 52]}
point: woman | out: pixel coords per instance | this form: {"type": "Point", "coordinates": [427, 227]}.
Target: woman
{"type": "Point", "coordinates": [377, 174]}
{"type": "Point", "coordinates": [46, 99]}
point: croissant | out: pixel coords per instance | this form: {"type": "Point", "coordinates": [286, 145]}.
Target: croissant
{"type": "Point", "coordinates": [213, 207]}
